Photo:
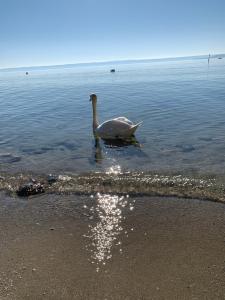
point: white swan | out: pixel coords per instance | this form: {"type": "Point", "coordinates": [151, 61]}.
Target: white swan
{"type": "Point", "coordinates": [118, 128]}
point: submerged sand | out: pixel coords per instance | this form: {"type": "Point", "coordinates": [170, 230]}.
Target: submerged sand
{"type": "Point", "coordinates": [164, 248]}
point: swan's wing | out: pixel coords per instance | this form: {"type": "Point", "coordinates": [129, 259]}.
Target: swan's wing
{"type": "Point", "coordinates": [113, 128]}
{"type": "Point", "coordinates": [125, 120]}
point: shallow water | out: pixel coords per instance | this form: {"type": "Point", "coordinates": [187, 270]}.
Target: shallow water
{"type": "Point", "coordinates": [46, 117]}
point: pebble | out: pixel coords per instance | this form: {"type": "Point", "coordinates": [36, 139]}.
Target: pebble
{"type": "Point", "coordinates": [52, 179]}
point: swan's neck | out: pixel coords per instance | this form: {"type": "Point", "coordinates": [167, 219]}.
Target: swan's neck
{"type": "Point", "coordinates": [95, 119]}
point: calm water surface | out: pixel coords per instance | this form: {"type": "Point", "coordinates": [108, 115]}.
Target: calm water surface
{"type": "Point", "coordinates": [46, 117]}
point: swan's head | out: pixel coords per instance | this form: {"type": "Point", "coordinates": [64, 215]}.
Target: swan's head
{"type": "Point", "coordinates": [93, 98]}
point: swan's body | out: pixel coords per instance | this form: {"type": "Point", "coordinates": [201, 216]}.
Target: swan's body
{"type": "Point", "coordinates": [118, 128]}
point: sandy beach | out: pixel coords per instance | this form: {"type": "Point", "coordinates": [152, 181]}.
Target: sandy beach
{"type": "Point", "coordinates": [166, 248]}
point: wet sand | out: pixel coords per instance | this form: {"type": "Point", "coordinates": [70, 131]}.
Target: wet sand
{"type": "Point", "coordinates": [170, 248]}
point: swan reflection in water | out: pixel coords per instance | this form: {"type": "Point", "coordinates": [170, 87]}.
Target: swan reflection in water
{"type": "Point", "coordinates": [116, 144]}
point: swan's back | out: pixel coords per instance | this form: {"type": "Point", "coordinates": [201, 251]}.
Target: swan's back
{"type": "Point", "coordinates": [125, 120]}
{"type": "Point", "coordinates": [116, 128]}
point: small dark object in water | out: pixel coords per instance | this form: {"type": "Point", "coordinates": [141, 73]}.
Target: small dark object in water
{"type": "Point", "coordinates": [206, 139]}
{"type": "Point", "coordinates": [27, 73]}
{"type": "Point", "coordinates": [52, 179]}
{"type": "Point", "coordinates": [185, 148]}
{"type": "Point", "coordinates": [9, 158]}
{"type": "Point", "coordinates": [112, 70]}
{"type": "Point", "coordinates": [31, 188]}
{"type": "Point", "coordinates": [219, 57]}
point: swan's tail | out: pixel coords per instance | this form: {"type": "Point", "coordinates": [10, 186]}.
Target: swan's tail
{"type": "Point", "coordinates": [134, 127]}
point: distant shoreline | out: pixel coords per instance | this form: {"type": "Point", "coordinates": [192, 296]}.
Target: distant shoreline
{"type": "Point", "coordinates": [126, 61]}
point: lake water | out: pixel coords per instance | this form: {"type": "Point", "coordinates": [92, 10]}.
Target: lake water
{"type": "Point", "coordinates": [46, 117]}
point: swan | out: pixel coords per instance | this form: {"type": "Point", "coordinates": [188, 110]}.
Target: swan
{"type": "Point", "coordinates": [118, 128]}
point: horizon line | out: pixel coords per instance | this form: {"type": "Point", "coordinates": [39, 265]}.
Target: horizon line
{"type": "Point", "coordinates": [114, 61]}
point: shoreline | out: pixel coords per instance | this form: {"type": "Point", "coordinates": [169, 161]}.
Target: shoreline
{"type": "Point", "coordinates": [135, 184]}
{"type": "Point", "coordinates": [166, 248]}
{"type": "Point", "coordinates": [109, 62]}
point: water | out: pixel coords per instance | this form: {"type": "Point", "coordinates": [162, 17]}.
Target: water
{"type": "Point", "coordinates": [46, 117]}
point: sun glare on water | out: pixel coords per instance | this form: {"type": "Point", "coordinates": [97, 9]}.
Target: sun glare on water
{"type": "Point", "coordinates": [104, 234]}
{"type": "Point", "coordinates": [116, 169]}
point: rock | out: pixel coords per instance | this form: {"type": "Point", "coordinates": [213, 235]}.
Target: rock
{"type": "Point", "coordinates": [52, 179]}
{"type": "Point", "coordinates": [31, 188]}
{"type": "Point", "coordinates": [9, 158]}
{"type": "Point", "coordinates": [186, 148]}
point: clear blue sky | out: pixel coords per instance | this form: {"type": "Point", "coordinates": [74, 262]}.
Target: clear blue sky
{"type": "Point", "coordinates": [46, 32]}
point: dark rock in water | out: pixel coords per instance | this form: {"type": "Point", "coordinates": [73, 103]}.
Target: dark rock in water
{"type": "Point", "coordinates": [52, 179]}
{"type": "Point", "coordinates": [67, 145]}
{"type": "Point", "coordinates": [112, 70]}
{"type": "Point", "coordinates": [205, 139]}
{"type": "Point", "coordinates": [31, 151]}
{"type": "Point", "coordinates": [9, 158]}
{"type": "Point", "coordinates": [14, 159]}
{"type": "Point", "coordinates": [47, 149]}
{"type": "Point", "coordinates": [31, 188]}
{"type": "Point", "coordinates": [186, 148]}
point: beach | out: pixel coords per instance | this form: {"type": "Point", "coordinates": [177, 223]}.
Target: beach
{"type": "Point", "coordinates": [142, 219]}
{"type": "Point", "coordinates": [165, 248]}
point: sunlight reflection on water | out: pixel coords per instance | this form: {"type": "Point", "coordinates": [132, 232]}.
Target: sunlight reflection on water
{"type": "Point", "coordinates": [116, 169]}
{"type": "Point", "coordinates": [104, 234]}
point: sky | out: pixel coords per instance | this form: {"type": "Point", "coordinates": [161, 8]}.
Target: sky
{"type": "Point", "coordinates": [51, 32]}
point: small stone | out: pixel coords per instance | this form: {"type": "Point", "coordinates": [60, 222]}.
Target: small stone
{"type": "Point", "coordinates": [52, 228]}
{"type": "Point", "coordinates": [52, 179]}
{"type": "Point", "coordinates": [34, 270]}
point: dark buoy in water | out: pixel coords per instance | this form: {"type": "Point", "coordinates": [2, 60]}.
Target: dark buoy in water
{"type": "Point", "coordinates": [112, 70]}
{"type": "Point", "coordinates": [27, 73]}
